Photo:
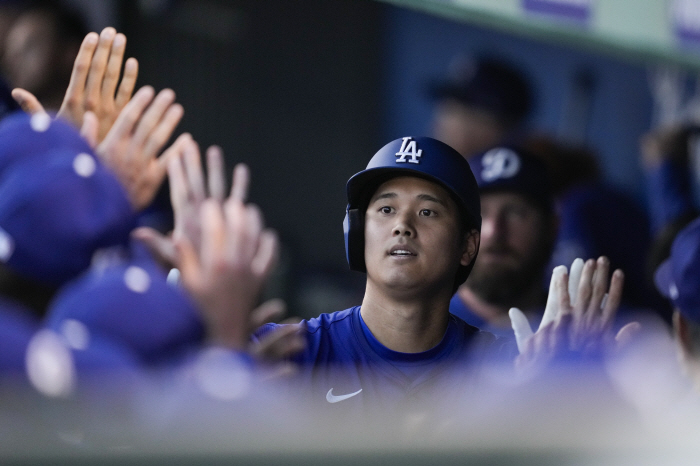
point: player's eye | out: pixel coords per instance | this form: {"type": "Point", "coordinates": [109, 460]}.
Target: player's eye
{"type": "Point", "coordinates": [427, 213]}
{"type": "Point", "coordinates": [385, 209]}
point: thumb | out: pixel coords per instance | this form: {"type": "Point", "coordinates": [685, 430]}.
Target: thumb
{"type": "Point", "coordinates": [551, 310]}
{"type": "Point", "coordinates": [521, 327]}
{"type": "Point", "coordinates": [160, 246]}
{"type": "Point", "coordinates": [27, 101]}
{"type": "Point", "coordinates": [574, 279]}
{"type": "Point", "coordinates": [627, 333]}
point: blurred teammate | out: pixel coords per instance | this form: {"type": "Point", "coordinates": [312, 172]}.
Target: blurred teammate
{"type": "Point", "coordinates": [678, 278]}
{"type": "Point", "coordinates": [40, 48]}
{"type": "Point", "coordinates": [518, 230]}
{"type": "Point", "coordinates": [483, 102]}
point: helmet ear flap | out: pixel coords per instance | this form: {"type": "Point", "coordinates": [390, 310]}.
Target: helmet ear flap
{"type": "Point", "coordinates": [354, 229]}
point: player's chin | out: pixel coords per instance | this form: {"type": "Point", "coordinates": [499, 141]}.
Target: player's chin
{"type": "Point", "coordinates": [403, 279]}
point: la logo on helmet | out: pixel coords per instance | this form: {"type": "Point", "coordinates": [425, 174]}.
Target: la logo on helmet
{"type": "Point", "coordinates": [499, 163]}
{"type": "Point", "coordinates": [408, 149]}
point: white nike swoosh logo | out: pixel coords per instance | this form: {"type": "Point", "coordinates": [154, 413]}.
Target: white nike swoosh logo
{"type": "Point", "coordinates": [331, 398]}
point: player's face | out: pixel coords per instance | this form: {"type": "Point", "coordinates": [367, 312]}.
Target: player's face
{"type": "Point", "coordinates": [413, 238]}
{"type": "Point", "coordinates": [515, 242]}
{"type": "Point", "coordinates": [30, 47]}
{"type": "Point", "coordinates": [469, 130]}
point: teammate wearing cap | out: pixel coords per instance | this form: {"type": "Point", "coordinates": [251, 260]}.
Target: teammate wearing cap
{"type": "Point", "coordinates": [517, 236]}
{"type": "Point", "coordinates": [484, 101]}
{"type": "Point", "coordinates": [678, 278]}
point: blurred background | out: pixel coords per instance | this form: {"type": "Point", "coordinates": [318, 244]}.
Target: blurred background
{"type": "Point", "coordinates": [306, 92]}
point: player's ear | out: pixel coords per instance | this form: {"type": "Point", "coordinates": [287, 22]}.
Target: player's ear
{"type": "Point", "coordinates": [470, 246]}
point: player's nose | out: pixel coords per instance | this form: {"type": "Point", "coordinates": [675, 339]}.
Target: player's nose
{"type": "Point", "coordinates": [493, 228]}
{"type": "Point", "coordinates": [404, 225]}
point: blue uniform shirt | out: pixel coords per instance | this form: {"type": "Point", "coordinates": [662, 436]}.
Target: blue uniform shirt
{"type": "Point", "coordinates": [344, 365]}
{"type": "Point", "coordinates": [461, 310]}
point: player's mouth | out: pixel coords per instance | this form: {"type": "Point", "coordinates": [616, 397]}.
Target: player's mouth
{"type": "Point", "coordinates": [401, 250]}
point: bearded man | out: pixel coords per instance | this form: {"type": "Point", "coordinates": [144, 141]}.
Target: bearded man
{"type": "Point", "coordinates": [519, 227]}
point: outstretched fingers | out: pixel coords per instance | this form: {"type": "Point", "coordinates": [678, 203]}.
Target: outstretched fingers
{"type": "Point", "coordinates": [575, 279]}
{"type": "Point", "coordinates": [599, 290]}
{"type": "Point", "coordinates": [240, 183]}
{"type": "Point", "coordinates": [281, 343]}
{"type": "Point", "coordinates": [521, 328]}
{"type": "Point", "coordinates": [163, 132]}
{"type": "Point", "coordinates": [179, 191]}
{"type": "Point", "coordinates": [562, 289]}
{"type": "Point", "coordinates": [128, 83]}
{"type": "Point", "coordinates": [194, 173]}
{"type": "Point", "coordinates": [267, 254]}
{"type": "Point", "coordinates": [152, 117]}
{"type": "Point", "coordinates": [98, 67]}
{"type": "Point", "coordinates": [585, 291]}
{"type": "Point", "coordinates": [189, 264]}
{"type": "Point", "coordinates": [131, 114]}
{"type": "Point", "coordinates": [114, 68]}
{"type": "Point", "coordinates": [269, 311]}
{"type": "Point", "coordinates": [551, 310]}
{"type": "Point", "coordinates": [72, 106]}
{"type": "Point", "coordinates": [215, 170]}
{"type": "Point", "coordinates": [612, 303]}
{"type": "Point", "coordinates": [214, 234]}
{"type": "Point", "coordinates": [244, 224]}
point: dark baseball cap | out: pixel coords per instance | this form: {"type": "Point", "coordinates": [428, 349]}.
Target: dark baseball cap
{"type": "Point", "coordinates": [490, 84]}
{"type": "Point", "coordinates": [512, 169]}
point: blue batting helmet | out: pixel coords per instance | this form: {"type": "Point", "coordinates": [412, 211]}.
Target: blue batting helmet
{"type": "Point", "coordinates": [422, 157]}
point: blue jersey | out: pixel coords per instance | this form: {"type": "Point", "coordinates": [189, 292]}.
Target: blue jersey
{"type": "Point", "coordinates": [459, 308]}
{"type": "Point", "coordinates": [344, 365]}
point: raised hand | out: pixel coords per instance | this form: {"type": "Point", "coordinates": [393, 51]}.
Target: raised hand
{"type": "Point", "coordinates": [520, 324]}
{"type": "Point", "coordinates": [94, 85]}
{"type": "Point", "coordinates": [187, 192]}
{"type": "Point", "coordinates": [226, 274]}
{"type": "Point", "coordinates": [132, 146]}
{"type": "Point", "coordinates": [189, 188]}
{"type": "Point", "coordinates": [594, 307]}
{"type": "Point", "coordinates": [281, 343]}
{"type": "Point", "coordinates": [582, 324]}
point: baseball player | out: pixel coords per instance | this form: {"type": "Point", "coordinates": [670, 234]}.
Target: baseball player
{"type": "Point", "coordinates": [677, 279]}
{"type": "Point", "coordinates": [413, 224]}
{"type": "Point", "coordinates": [518, 234]}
